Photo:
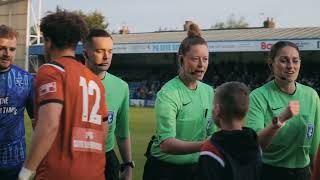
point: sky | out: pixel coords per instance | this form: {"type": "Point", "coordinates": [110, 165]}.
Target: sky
{"type": "Point", "coordinates": [150, 15]}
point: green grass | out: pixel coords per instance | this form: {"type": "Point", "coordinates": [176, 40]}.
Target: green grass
{"type": "Point", "coordinates": [142, 124]}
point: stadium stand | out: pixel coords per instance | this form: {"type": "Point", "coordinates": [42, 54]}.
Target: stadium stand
{"type": "Point", "coordinates": [145, 84]}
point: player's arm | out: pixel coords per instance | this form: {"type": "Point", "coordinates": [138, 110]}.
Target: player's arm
{"type": "Point", "coordinates": [166, 111]}
{"type": "Point", "coordinates": [44, 135]}
{"type": "Point", "coordinates": [124, 145]}
{"type": "Point", "coordinates": [265, 136]}
{"type": "Point", "coordinates": [176, 146]}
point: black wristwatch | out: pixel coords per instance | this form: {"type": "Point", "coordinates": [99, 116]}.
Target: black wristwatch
{"type": "Point", "coordinates": [275, 120]}
{"type": "Point", "coordinates": [124, 165]}
{"type": "Point", "coordinates": [277, 123]}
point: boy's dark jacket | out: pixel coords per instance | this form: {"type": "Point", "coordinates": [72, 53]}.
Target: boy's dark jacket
{"type": "Point", "coordinates": [230, 155]}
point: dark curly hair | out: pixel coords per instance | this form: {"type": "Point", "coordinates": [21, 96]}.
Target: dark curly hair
{"type": "Point", "coordinates": [64, 29]}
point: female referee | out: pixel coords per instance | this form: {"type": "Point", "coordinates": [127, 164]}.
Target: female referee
{"type": "Point", "coordinates": [183, 114]}
{"type": "Point", "coordinates": [296, 142]}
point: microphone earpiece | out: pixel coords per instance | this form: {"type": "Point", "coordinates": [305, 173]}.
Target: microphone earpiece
{"type": "Point", "coordinates": [269, 65]}
{"type": "Point", "coordinates": [181, 61]}
{"type": "Point", "coordinates": [280, 77]}
{"type": "Point", "coordinates": [85, 54]}
{"type": "Point", "coordinates": [283, 78]}
{"type": "Point", "coordinates": [181, 64]}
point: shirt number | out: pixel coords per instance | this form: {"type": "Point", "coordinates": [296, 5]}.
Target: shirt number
{"type": "Point", "coordinates": [89, 89]}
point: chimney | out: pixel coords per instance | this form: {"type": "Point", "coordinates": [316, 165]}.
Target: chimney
{"type": "Point", "coordinates": [269, 23]}
{"type": "Point", "coordinates": [124, 30]}
{"type": "Point", "coordinates": [186, 25]}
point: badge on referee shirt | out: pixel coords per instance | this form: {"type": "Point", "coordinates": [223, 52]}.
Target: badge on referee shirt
{"type": "Point", "coordinates": [110, 117]}
{"type": "Point", "coordinates": [310, 130]}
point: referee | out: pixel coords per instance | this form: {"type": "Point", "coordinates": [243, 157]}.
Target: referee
{"type": "Point", "coordinates": [98, 55]}
{"type": "Point", "coordinates": [291, 150]}
{"type": "Point", "coordinates": [183, 115]}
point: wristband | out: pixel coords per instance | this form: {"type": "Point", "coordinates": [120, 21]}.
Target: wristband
{"type": "Point", "coordinates": [25, 174]}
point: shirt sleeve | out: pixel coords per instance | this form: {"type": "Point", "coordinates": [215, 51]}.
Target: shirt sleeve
{"type": "Point", "coordinates": [255, 118]}
{"type": "Point", "coordinates": [166, 111]}
{"type": "Point", "coordinates": [316, 136]}
{"type": "Point", "coordinates": [122, 127]}
{"type": "Point", "coordinates": [49, 85]}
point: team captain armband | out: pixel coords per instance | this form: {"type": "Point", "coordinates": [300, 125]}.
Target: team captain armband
{"type": "Point", "coordinates": [47, 88]}
{"type": "Point", "coordinates": [49, 83]}
{"type": "Point", "coordinates": [87, 140]}
{"type": "Point", "coordinates": [50, 92]}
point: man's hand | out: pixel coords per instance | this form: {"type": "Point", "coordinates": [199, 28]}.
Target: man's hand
{"type": "Point", "coordinates": [292, 110]}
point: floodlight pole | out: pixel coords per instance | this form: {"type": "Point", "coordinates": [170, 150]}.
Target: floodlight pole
{"type": "Point", "coordinates": [38, 23]}
{"type": "Point", "coordinates": [26, 62]}
{"type": "Point", "coordinates": [32, 18]}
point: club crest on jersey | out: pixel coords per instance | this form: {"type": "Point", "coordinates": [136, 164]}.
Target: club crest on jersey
{"type": "Point", "coordinates": [48, 88]}
{"type": "Point", "coordinates": [19, 81]}
{"type": "Point", "coordinates": [209, 125]}
{"type": "Point", "coordinates": [310, 131]}
{"type": "Point", "coordinates": [110, 117]}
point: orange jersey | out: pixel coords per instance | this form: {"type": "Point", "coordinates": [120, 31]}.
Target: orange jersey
{"type": "Point", "coordinates": [78, 149]}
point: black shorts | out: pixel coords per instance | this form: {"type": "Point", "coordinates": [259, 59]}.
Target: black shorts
{"type": "Point", "coordinates": [155, 169]}
{"type": "Point", "coordinates": [280, 173]}
{"type": "Point", "coordinates": [10, 173]}
{"type": "Point", "coordinates": [112, 166]}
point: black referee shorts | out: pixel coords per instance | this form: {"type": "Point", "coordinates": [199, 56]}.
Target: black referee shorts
{"type": "Point", "coordinates": [280, 173]}
{"type": "Point", "coordinates": [155, 169]}
{"type": "Point", "coordinates": [112, 166]}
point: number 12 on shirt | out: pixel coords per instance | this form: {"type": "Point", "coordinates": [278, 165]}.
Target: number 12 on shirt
{"type": "Point", "coordinates": [88, 90]}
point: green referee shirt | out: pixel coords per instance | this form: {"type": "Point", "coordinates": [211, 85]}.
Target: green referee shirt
{"type": "Point", "coordinates": [117, 98]}
{"type": "Point", "coordinates": [299, 138]}
{"type": "Point", "coordinates": [183, 114]}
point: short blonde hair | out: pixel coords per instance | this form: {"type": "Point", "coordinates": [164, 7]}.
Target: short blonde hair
{"type": "Point", "coordinates": [8, 32]}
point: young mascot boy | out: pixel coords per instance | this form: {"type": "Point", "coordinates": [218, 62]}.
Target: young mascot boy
{"type": "Point", "coordinates": [234, 151]}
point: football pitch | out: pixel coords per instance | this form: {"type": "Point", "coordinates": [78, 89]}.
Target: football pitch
{"type": "Point", "coordinates": [142, 124]}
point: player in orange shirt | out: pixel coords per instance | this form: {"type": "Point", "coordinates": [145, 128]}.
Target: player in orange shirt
{"type": "Point", "coordinates": [68, 142]}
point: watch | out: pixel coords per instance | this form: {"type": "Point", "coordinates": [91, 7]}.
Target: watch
{"type": "Point", "coordinates": [277, 123]}
{"type": "Point", "coordinates": [275, 120]}
{"type": "Point", "coordinates": [124, 165]}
